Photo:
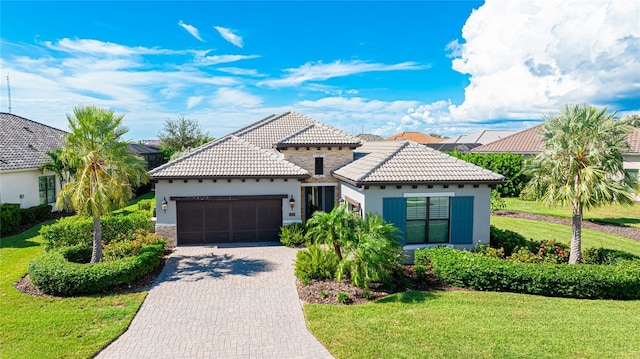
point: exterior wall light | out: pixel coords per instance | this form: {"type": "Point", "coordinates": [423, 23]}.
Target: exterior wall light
{"type": "Point", "coordinates": [164, 204]}
{"type": "Point", "coordinates": [292, 202]}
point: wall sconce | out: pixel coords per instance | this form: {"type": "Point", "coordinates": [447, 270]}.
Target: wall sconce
{"type": "Point", "coordinates": [341, 201]}
{"type": "Point", "coordinates": [164, 205]}
{"type": "Point", "coordinates": [292, 202]}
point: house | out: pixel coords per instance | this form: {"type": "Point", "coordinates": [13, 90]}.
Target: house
{"type": "Point", "coordinates": [450, 147]}
{"type": "Point", "coordinates": [417, 137]}
{"type": "Point", "coordinates": [244, 186]}
{"type": "Point", "coordinates": [369, 137]}
{"type": "Point", "coordinates": [23, 144]}
{"type": "Point", "coordinates": [529, 143]}
{"type": "Point", "coordinates": [152, 156]}
{"type": "Point", "coordinates": [481, 137]}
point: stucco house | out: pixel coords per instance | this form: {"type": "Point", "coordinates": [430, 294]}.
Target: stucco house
{"type": "Point", "coordinates": [23, 144]}
{"type": "Point", "coordinates": [244, 186]}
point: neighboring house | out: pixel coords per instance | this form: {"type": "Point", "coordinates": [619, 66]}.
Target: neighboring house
{"type": "Point", "coordinates": [417, 137]}
{"type": "Point", "coordinates": [481, 137]}
{"type": "Point", "coordinates": [529, 143]}
{"type": "Point", "coordinates": [369, 137]}
{"type": "Point", "coordinates": [23, 144]}
{"type": "Point", "coordinates": [153, 157]}
{"type": "Point", "coordinates": [244, 186]}
{"type": "Point", "coordinates": [450, 147]}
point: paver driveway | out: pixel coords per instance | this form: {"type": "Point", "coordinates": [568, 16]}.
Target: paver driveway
{"type": "Point", "coordinates": [221, 302]}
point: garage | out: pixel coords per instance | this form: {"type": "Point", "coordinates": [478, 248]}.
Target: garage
{"type": "Point", "coordinates": [228, 219]}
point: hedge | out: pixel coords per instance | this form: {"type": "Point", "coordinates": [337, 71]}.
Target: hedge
{"type": "Point", "coordinates": [507, 164]}
{"type": "Point", "coordinates": [53, 274]}
{"type": "Point", "coordinates": [473, 270]}
{"type": "Point", "coordinates": [35, 214]}
{"type": "Point", "coordinates": [75, 230]}
{"type": "Point", "coordinates": [9, 217]}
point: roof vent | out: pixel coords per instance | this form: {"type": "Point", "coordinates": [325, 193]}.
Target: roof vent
{"type": "Point", "coordinates": [31, 147]}
{"type": "Point", "coordinates": [28, 129]}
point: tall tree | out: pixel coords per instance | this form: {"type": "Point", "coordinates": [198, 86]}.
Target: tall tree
{"type": "Point", "coordinates": [106, 170]}
{"type": "Point", "coordinates": [182, 134]}
{"type": "Point", "coordinates": [633, 120]}
{"type": "Point", "coordinates": [581, 165]}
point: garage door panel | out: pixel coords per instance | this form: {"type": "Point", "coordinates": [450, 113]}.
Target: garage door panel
{"type": "Point", "coordinates": [216, 216]}
{"type": "Point", "coordinates": [244, 215]}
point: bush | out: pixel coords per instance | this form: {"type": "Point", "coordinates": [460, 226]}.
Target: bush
{"type": "Point", "coordinates": [130, 245]}
{"type": "Point", "coordinates": [145, 204]}
{"type": "Point", "coordinates": [51, 273]}
{"type": "Point", "coordinates": [293, 235]}
{"type": "Point", "coordinates": [80, 253]}
{"type": "Point", "coordinates": [497, 202]}
{"type": "Point", "coordinates": [606, 256]}
{"type": "Point", "coordinates": [507, 164]}
{"type": "Point", "coordinates": [473, 270]}
{"type": "Point", "coordinates": [9, 217]}
{"type": "Point", "coordinates": [75, 230]}
{"type": "Point", "coordinates": [508, 240]}
{"type": "Point", "coordinates": [35, 214]}
{"type": "Point", "coordinates": [316, 262]}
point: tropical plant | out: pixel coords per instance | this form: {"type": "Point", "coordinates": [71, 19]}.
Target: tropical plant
{"type": "Point", "coordinates": [633, 120]}
{"type": "Point", "coordinates": [581, 165]}
{"type": "Point", "coordinates": [335, 228]}
{"type": "Point", "coordinates": [58, 166]}
{"type": "Point", "coordinates": [106, 170]}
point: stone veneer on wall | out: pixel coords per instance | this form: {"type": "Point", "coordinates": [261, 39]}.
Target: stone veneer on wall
{"type": "Point", "coordinates": [305, 158]}
{"type": "Point", "coordinates": [169, 233]}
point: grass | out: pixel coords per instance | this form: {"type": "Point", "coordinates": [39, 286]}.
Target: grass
{"type": "Point", "coordinates": [544, 230]}
{"type": "Point", "coordinates": [478, 325]}
{"type": "Point", "coordinates": [33, 327]}
{"type": "Point", "coordinates": [617, 214]}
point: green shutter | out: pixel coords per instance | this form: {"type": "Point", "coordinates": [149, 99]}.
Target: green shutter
{"type": "Point", "coordinates": [462, 220]}
{"type": "Point", "coordinates": [394, 211]}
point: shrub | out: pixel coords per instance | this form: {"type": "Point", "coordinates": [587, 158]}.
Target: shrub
{"type": "Point", "coordinates": [606, 256]}
{"type": "Point", "coordinates": [421, 271]}
{"type": "Point", "coordinates": [9, 217]}
{"type": "Point", "coordinates": [497, 202]}
{"type": "Point", "coordinates": [508, 240]}
{"type": "Point", "coordinates": [35, 214]}
{"type": "Point", "coordinates": [74, 230]}
{"type": "Point", "coordinates": [507, 164]}
{"type": "Point", "coordinates": [473, 270]}
{"type": "Point", "coordinates": [79, 253]}
{"type": "Point", "coordinates": [293, 235]}
{"type": "Point", "coordinates": [129, 245]}
{"type": "Point", "coordinates": [343, 297]}
{"type": "Point", "coordinates": [145, 204]}
{"type": "Point", "coordinates": [316, 262]}
{"type": "Point", "coordinates": [51, 273]}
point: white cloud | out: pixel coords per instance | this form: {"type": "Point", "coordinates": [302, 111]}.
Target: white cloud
{"type": "Point", "coordinates": [105, 48]}
{"type": "Point", "coordinates": [229, 35]}
{"type": "Point", "coordinates": [526, 59]}
{"type": "Point", "coordinates": [194, 101]}
{"type": "Point", "coordinates": [191, 29]}
{"type": "Point", "coordinates": [232, 97]}
{"type": "Point", "coordinates": [219, 59]}
{"type": "Point", "coordinates": [315, 71]}
{"type": "Point", "coordinates": [240, 71]}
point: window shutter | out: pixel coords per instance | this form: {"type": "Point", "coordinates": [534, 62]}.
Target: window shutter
{"type": "Point", "coordinates": [462, 220]}
{"type": "Point", "coordinates": [394, 211]}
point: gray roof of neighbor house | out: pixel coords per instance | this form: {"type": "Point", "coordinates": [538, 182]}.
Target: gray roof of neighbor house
{"type": "Point", "coordinates": [142, 149]}
{"type": "Point", "coordinates": [450, 147]}
{"type": "Point", "coordinates": [369, 137]}
{"type": "Point", "coordinates": [229, 157]}
{"type": "Point", "coordinates": [250, 152]}
{"type": "Point", "coordinates": [23, 142]}
{"type": "Point", "coordinates": [482, 137]}
{"type": "Point", "coordinates": [530, 142]}
{"type": "Point", "coordinates": [408, 162]}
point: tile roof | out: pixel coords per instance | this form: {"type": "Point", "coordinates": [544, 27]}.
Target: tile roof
{"type": "Point", "coordinates": [229, 157]}
{"type": "Point", "coordinates": [268, 131]}
{"type": "Point", "coordinates": [409, 162]}
{"type": "Point", "coordinates": [319, 134]}
{"type": "Point", "coordinates": [482, 137]}
{"type": "Point", "coordinates": [415, 137]}
{"type": "Point", "coordinates": [450, 147]}
{"type": "Point", "coordinates": [142, 149]}
{"type": "Point", "coordinates": [23, 142]}
{"type": "Point", "coordinates": [369, 137]}
{"type": "Point", "coordinates": [530, 142]}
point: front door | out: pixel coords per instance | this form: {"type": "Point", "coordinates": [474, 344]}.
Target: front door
{"type": "Point", "coordinates": [319, 198]}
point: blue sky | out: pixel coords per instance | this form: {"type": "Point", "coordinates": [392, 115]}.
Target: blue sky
{"type": "Point", "coordinates": [450, 67]}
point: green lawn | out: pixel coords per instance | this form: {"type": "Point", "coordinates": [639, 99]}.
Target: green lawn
{"type": "Point", "coordinates": [478, 325]}
{"type": "Point", "coordinates": [544, 230]}
{"type": "Point", "coordinates": [623, 215]}
{"type": "Point", "coordinates": [33, 327]}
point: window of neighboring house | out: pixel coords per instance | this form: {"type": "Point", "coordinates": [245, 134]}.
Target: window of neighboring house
{"type": "Point", "coordinates": [427, 220]}
{"type": "Point", "coordinates": [319, 166]}
{"type": "Point", "coordinates": [634, 175]}
{"type": "Point", "coordinates": [47, 188]}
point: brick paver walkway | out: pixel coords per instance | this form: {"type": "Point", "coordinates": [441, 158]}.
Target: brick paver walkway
{"type": "Point", "coordinates": [211, 302]}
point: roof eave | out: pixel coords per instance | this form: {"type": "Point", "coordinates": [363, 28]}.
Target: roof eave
{"type": "Point", "coordinates": [285, 145]}
{"type": "Point", "coordinates": [228, 177]}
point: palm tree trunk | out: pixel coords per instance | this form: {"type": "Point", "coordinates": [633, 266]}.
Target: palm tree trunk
{"type": "Point", "coordinates": [575, 256]}
{"type": "Point", "coordinates": [96, 254]}
{"type": "Point", "coordinates": [336, 247]}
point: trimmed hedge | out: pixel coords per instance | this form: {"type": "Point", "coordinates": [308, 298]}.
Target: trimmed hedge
{"type": "Point", "coordinates": [9, 217]}
{"type": "Point", "coordinates": [80, 253]}
{"type": "Point", "coordinates": [507, 164]}
{"type": "Point", "coordinates": [35, 214]}
{"type": "Point", "coordinates": [473, 270]}
{"type": "Point", "coordinates": [71, 231]}
{"type": "Point", "coordinates": [53, 274]}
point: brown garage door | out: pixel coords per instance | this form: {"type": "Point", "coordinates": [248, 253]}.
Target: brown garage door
{"type": "Point", "coordinates": [229, 220]}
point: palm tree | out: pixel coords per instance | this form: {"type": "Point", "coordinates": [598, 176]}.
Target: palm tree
{"type": "Point", "coordinates": [335, 228]}
{"type": "Point", "coordinates": [57, 165]}
{"type": "Point", "coordinates": [105, 168]}
{"type": "Point", "coordinates": [581, 165]}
